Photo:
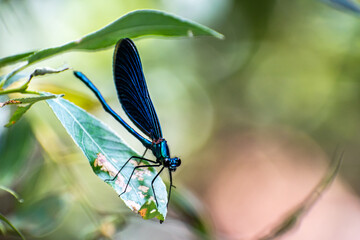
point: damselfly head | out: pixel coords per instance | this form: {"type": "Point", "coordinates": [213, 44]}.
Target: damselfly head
{"type": "Point", "coordinates": [172, 163]}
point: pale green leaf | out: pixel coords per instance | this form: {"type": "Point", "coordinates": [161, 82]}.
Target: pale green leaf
{"type": "Point", "coordinates": [107, 153]}
{"type": "Point", "coordinates": [19, 112]}
{"type": "Point", "coordinates": [28, 100]}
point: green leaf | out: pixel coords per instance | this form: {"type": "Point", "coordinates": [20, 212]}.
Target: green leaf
{"type": "Point", "coordinates": [15, 58]}
{"type": "Point", "coordinates": [12, 192]}
{"type": "Point", "coordinates": [19, 112]}
{"type": "Point", "coordinates": [134, 24]}
{"type": "Point", "coordinates": [28, 100]}
{"type": "Point", "coordinates": [107, 153]}
{"type": "Point", "coordinates": [4, 219]}
{"type": "Point", "coordinates": [148, 210]}
{"type": "Point", "coordinates": [347, 5]}
{"type": "Point", "coordinates": [42, 216]}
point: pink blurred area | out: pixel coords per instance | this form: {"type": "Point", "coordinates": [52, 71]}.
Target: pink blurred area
{"type": "Point", "coordinates": [267, 174]}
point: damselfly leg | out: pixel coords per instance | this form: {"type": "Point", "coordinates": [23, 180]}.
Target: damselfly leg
{"type": "Point", "coordinates": [133, 157]}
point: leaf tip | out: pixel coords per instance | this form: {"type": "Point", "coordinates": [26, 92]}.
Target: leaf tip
{"type": "Point", "coordinates": [149, 210]}
{"type": "Point", "coordinates": [10, 124]}
{"type": "Point", "coordinates": [219, 35]}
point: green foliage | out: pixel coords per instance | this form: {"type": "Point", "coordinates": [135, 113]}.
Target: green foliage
{"type": "Point", "coordinates": [21, 110]}
{"type": "Point", "coordinates": [15, 58]}
{"type": "Point", "coordinates": [250, 69]}
{"type": "Point", "coordinates": [27, 100]}
{"type": "Point", "coordinates": [105, 151]}
{"type": "Point", "coordinates": [132, 25]}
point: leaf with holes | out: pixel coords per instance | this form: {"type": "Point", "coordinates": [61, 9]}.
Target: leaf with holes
{"type": "Point", "coordinates": [107, 153]}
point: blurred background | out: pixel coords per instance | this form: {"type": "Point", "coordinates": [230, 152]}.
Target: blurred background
{"type": "Point", "coordinates": [256, 119]}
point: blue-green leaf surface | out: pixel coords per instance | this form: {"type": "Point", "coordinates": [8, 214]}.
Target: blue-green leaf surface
{"type": "Point", "coordinates": [107, 153]}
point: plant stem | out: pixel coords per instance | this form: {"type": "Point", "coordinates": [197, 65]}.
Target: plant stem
{"type": "Point", "coordinates": [19, 90]}
{"type": "Point", "coordinates": [22, 89]}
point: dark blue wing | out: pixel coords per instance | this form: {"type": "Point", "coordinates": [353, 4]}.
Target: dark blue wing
{"type": "Point", "coordinates": [132, 90]}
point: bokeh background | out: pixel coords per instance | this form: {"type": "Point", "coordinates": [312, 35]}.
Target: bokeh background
{"type": "Point", "coordinates": [256, 119]}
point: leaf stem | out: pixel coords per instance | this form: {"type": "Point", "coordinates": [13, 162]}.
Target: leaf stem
{"type": "Point", "coordinates": [4, 219]}
{"type": "Point", "coordinates": [14, 90]}
{"type": "Point", "coordinates": [12, 193]}
{"type": "Point", "coordinates": [22, 89]}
